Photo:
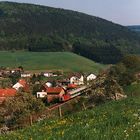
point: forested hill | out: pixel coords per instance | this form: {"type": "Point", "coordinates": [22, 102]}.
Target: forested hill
{"type": "Point", "coordinates": [39, 28]}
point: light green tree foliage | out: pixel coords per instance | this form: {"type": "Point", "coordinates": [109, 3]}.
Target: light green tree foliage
{"type": "Point", "coordinates": [105, 87]}
{"type": "Point", "coordinates": [21, 107]}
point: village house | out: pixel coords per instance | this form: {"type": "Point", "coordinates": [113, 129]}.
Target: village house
{"type": "Point", "coordinates": [48, 74]}
{"type": "Point", "coordinates": [51, 73]}
{"type": "Point", "coordinates": [52, 93]}
{"type": "Point", "coordinates": [91, 77]}
{"type": "Point", "coordinates": [26, 75]}
{"type": "Point", "coordinates": [11, 92]}
{"type": "Point", "coordinates": [6, 73]}
{"type": "Point", "coordinates": [21, 84]}
{"type": "Point", "coordinates": [41, 94]}
{"type": "Point", "coordinates": [43, 91]}
{"type": "Point", "coordinates": [16, 70]}
{"type": "Point", "coordinates": [48, 84]}
{"type": "Point", "coordinates": [77, 79]}
{"type": "Point", "coordinates": [7, 93]}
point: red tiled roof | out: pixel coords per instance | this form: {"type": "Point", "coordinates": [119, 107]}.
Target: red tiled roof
{"type": "Point", "coordinates": [56, 90]}
{"type": "Point", "coordinates": [2, 99]}
{"type": "Point", "coordinates": [72, 86]}
{"type": "Point", "coordinates": [9, 92]}
{"type": "Point", "coordinates": [26, 88]}
{"type": "Point", "coordinates": [22, 82]}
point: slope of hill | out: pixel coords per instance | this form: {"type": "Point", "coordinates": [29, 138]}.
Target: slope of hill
{"type": "Point", "coordinates": [49, 60]}
{"type": "Point", "coordinates": [112, 121]}
{"type": "Point", "coordinates": [39, 28]}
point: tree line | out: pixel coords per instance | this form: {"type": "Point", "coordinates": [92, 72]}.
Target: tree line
{"type": "Point", "coordinates": [39, 28]}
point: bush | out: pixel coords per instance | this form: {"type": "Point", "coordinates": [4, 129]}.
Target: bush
{"type": "Point", "coordinates": [21, 107]}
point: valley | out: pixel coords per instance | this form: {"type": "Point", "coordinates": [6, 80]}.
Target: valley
{"type": "Point", "coordinates": [68, 75]}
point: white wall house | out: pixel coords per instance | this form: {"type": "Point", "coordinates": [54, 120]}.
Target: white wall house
{"type": "Point", "coordinates": [48, 84]}
{"type": "Point", "coordinates": [41, 94]}
{"type": "Point", "coordinates": [12, 71]}
{"type": "Point", "coordinates": [21, 83]}
{"type": "Point", "coordinates": [17, 86]}
{"type": "Point", "coordinates": [91, 77]}
{"type": "Point", "coordinates": [24, 75]}
{"type": "Point", "coordinates": [48, 74]}
{"type": "Point", "coordinates": [81, 80]}
{"type": "Point", "coordinates": [77, 80]}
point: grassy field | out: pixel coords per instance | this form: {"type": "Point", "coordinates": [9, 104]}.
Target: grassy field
{"type": "Point", "coordinates": [49, 60]}
{"type": "Point", "coordinates": [118, 120]}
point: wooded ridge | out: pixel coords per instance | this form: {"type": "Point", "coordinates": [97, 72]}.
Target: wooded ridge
{"type": "Point", "coordinates": [40, 28]}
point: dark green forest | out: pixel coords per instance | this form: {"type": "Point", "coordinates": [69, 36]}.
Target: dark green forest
{"type": "Point", "coordinates": [38, 28]}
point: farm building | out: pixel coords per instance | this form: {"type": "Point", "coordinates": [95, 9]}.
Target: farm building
{"type": "Point", "coordinates": [41, 94]}
{"type": "Point", "coordinates": [25, 75]}
{"type": "Point", "coordinates": [77, 79]}
{"type": "Point", "coordinates": [11, 92]}
{"type": "Point", "coordinates": [21, 84]}
{"type": "Point", "coordinates": [91, 77]}
{"type": "Point", "coordinates": [7, 93]}
{"type": "Point", "coordinates": [48, 84]}
{"type": "Point", "coordinates": [52, 93]}
{"type": "Point", "coordinates": [48, 74]}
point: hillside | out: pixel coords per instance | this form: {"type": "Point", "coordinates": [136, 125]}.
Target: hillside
{"type": "Point", "coordinates": [112, 121]}
{"type": "Point", "coordinates": [49, 60]}
{"type": "Point", "coordinates": [39, 28]}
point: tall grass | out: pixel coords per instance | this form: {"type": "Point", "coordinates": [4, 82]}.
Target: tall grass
{"type": "Point", "coordinates": [118, 120]}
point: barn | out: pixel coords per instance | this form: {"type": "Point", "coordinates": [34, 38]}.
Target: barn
{"type": "Point", "coordinates": [54, 93]}
{"type": "Point", "coordinates": [7, 93]}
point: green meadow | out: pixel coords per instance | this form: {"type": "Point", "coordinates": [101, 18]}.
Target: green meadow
{"type": "Point", "coordinates": [119, 120]}
{"type": "Point", "coordinates": [49, 60]}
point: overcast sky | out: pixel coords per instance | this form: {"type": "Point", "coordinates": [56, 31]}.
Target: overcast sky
{"type": "Point", "coordinates": [125, 12]}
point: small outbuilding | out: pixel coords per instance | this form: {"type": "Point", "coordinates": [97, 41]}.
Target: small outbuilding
{"type": "Point", "coordinates": [91, 77]}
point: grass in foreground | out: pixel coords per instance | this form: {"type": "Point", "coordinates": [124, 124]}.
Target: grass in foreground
{"type": "Point", "coordinates": [49, 60]}
{"type": "Point", "coordinates": [118, 120]}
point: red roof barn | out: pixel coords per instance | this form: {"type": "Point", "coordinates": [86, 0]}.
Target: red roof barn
{"type": "Point", "coordinates": [7, 93]}
{"type": "Point", "coordinates": [54, 93]}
